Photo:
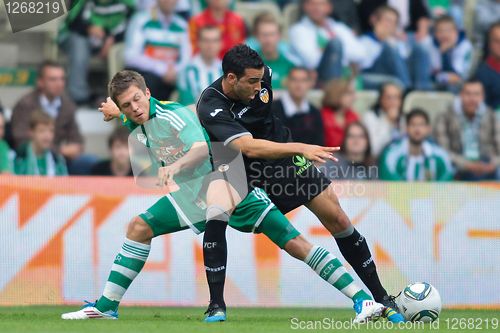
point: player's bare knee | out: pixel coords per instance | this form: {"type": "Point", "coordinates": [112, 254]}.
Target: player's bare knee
{"type": "Point", "coordinates": [336, 220]}
{"type": "Point", "coordinates": [298, 247]}
{"type": "Point", "coordinates": [139, 231]}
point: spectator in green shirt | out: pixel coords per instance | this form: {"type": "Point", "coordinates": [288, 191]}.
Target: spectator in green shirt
{"type": "Point", "coordinates": [267, 32]}
{"type": "Point", "coordinates": [36, 157]}
{"type": "Point", "coordinates": [5, 152]}
{"type": "Point", "coordinates": [414, 158]}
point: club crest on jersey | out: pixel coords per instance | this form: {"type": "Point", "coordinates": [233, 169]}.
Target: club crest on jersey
{"type": "Point", "coordinates": [264, 95]}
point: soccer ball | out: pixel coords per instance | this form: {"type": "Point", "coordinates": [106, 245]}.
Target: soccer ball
{"type": "Point", "coordinates": [419, 302]}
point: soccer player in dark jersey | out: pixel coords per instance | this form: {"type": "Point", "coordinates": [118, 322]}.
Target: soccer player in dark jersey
{"type": "Point", "coordinates": [235, 110]}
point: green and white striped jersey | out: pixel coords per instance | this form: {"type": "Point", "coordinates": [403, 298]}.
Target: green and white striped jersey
{"type": "Point", "coordinates": [396, 163]}
{"type": "Point", "coordinates": [167, 136]}
{"type": "Point", "coordinates": [110, 14]}
{"type": "Point", "coordinates": [195, 77]}
{"type": "Point", "coordinates": [154, 42]}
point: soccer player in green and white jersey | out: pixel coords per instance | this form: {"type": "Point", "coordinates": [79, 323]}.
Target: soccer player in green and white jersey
{"type": "Point", "coordinates": [254, 213]}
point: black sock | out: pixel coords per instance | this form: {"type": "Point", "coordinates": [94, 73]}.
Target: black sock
{"type": "Point", "coordinates": [215, 259]}
{"type": "Point", "coordinates": [355, 250]}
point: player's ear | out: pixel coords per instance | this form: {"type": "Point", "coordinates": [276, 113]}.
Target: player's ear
{"type": "Point", "coordinates": [231, 78]}
{"type": "Point", "coordinates": [148, 93]}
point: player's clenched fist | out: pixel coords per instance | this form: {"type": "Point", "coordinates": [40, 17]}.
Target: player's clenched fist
{"type": "Point", "coordinates": [319, 153]}
{"type": "Point", "coordinates": [109, 110]}
{"type": "Point", "coordinates": [166, 174]}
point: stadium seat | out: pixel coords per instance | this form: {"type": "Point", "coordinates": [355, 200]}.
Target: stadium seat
{"type": "Point", "coordinates": [4, 22]}
{"type": "Point", "coordinates": [432, 102]}
{"type": "Point", "coordinates": [95, 131]}
{"type": "Point", "coordinates": [9, 95]}
{"type": "Point", "coordinates": [249, 10]}
{"type": "Point", "coordinates": [10, 54]}
{"type": "Point", "coordinates": [39, 42]}
{"type": "Point", "coordinates": [364, 99]}
{"type": "Point", "coordinates": [115, 59]}
{"type": "Point", "coordinates": [469, 18]}
{"type": "Point", "coordinates": [290, 16]}
{"type": "Point", "coordinates": [315, 96]}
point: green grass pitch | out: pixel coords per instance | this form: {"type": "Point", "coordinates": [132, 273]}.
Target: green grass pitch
{"type": "Point", "coordinates": [35, 319]}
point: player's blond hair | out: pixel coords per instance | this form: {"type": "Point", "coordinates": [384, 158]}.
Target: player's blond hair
{"type": "Point", "coordinates": [122, 81]}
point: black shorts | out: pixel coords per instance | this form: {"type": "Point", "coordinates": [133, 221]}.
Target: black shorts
{"type": "Point", "coordinates": [289, 182]}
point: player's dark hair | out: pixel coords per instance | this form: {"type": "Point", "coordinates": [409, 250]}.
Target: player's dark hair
{"type": "Point", "coordinates": [239, 58]}
{"type": "Point", "coordinates": [122, 81]}
{"type": "Point", "coordinates": [120, 134]}
{"type": "Point", "coordinates": [417, 112]}
{"type": "Point", "coordinates": [46, 64]}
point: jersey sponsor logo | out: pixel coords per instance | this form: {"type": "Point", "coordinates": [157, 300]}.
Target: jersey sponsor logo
{"type": "Point", "coordinates": [169, 154]}
{"type": "Point", "coordinates": [302, 163]}
{"type": "Point", "coordinates": [243, 111]}
{"type": "Point", "coordinates": [299, 161]}
{"type": "Point", "coordinates": [264, 95]}
{"type": "Point", "coordinates": [213, 114]}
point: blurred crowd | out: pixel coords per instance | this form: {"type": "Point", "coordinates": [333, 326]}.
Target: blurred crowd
{"type": "Point", "coordinates": [339, 46]}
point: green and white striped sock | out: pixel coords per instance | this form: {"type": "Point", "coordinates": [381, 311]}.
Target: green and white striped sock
{"type": "Point", "coordinates": [128, 263]}
{"type": "Point", "coordinates": [330, 269]}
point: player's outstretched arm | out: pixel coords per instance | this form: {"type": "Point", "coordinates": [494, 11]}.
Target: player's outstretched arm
{"type": "Point", "coordinates": [258, 148]}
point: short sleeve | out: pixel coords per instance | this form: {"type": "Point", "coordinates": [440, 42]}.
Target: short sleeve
{"type": "Point", "coordinates": [218, 120]}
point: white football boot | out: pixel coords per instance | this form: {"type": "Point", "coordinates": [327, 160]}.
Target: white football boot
{"type": "Point", "coordinates": [367, 310]}
{"type": "Point", "coordinates": [89, 311]}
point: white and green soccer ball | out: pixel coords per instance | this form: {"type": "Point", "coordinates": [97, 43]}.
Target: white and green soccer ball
{"type": "Point", "coordinates": [419, 301]}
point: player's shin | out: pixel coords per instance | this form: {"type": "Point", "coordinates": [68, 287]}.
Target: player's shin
{"type": "Point", "coordinates": [330, 269]}
{"type": "Point", "coordinates": [215, 257]}
{"type": "Point", "coordinates": [127, 265]}
{"type": "Point", "coordinates": [354, 248]}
